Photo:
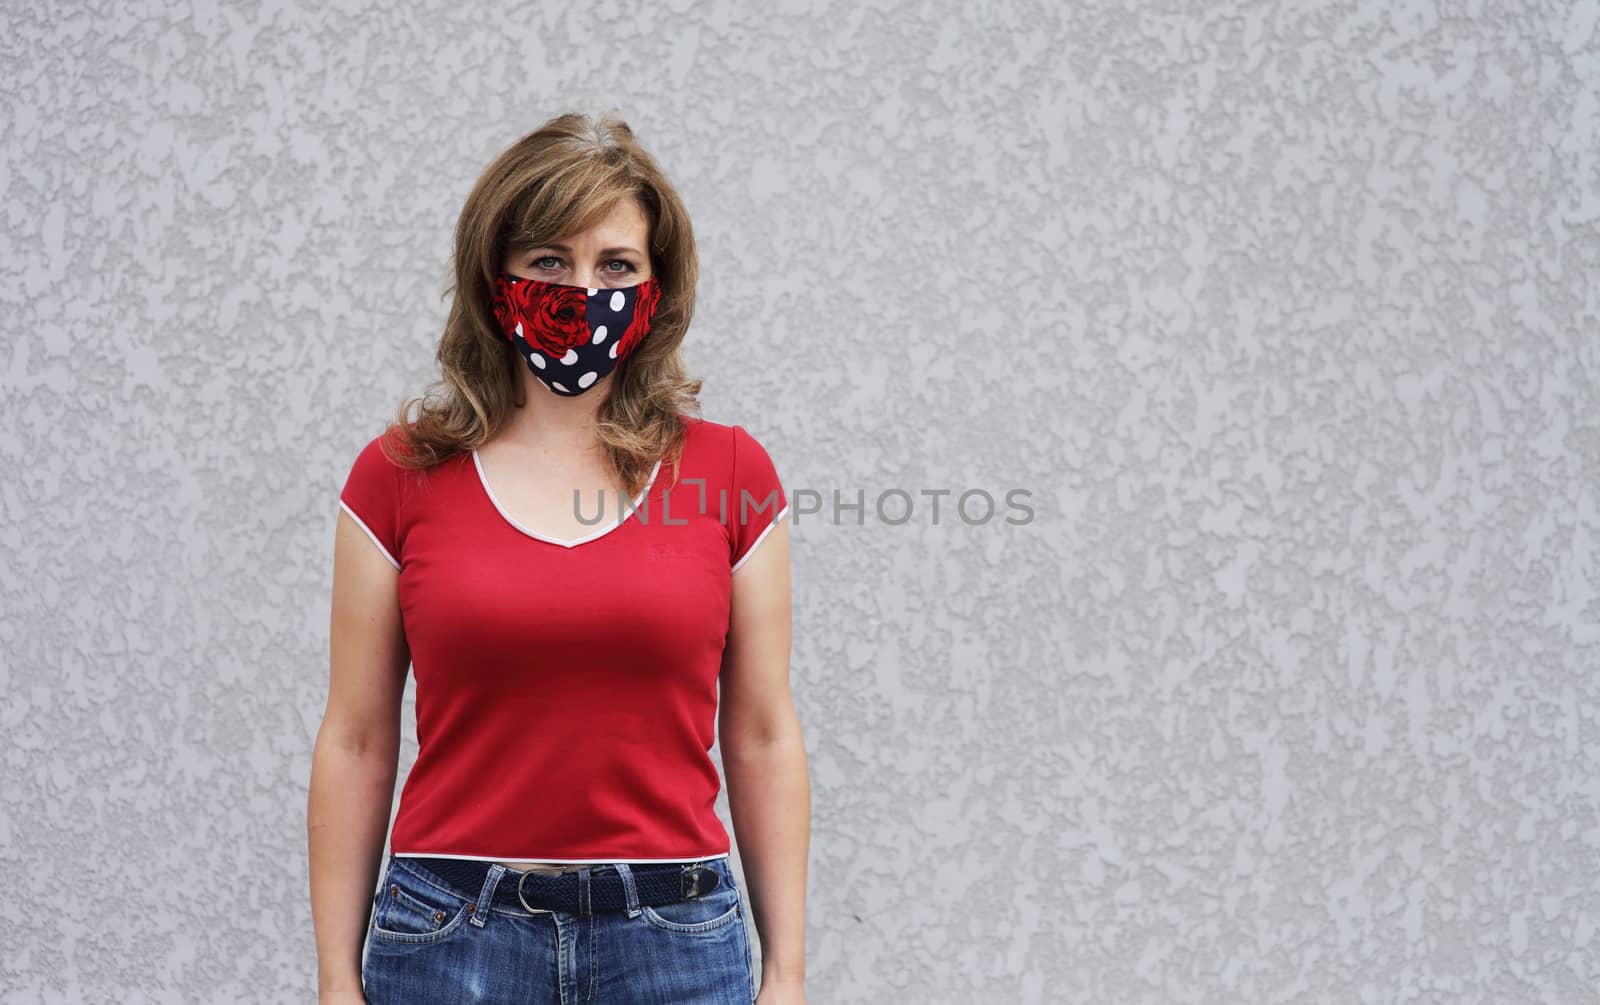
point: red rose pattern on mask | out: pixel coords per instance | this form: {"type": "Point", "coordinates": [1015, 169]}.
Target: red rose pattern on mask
{"type": "Point", "coordinates": [572, 336]}
{"type": "Point", "coordinates": [643, 311]}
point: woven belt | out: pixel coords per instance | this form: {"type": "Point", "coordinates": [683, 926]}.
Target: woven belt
{"type": "Point", "coordinates": [534, 891]}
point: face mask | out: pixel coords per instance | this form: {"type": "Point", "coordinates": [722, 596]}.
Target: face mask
{"type": "Point", "coordinates": [572, 336]}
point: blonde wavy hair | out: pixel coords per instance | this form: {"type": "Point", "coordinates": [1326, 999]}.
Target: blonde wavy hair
{"type": "Point", "coordinates": [562, 178]}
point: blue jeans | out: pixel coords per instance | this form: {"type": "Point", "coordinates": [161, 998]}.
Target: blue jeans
{"type": "Point", "coordinates": [433, 944]}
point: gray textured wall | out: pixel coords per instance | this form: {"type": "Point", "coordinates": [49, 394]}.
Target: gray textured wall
{"type": "Point", "coordinates": [1285, 314]}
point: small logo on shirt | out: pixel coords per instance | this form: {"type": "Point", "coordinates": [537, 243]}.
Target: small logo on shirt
{"type": "Point", "coordinates": [667, 551]}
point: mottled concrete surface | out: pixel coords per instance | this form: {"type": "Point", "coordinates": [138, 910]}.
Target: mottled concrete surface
{"type": "Point", "coordinates": [1284, 314]}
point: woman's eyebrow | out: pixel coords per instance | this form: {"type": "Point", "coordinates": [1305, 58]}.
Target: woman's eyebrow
{"type": "Point", "coordinates": [603, 251]}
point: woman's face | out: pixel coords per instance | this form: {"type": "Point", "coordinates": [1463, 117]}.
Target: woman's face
{"type": "Point", "coordinates": [609, 254]}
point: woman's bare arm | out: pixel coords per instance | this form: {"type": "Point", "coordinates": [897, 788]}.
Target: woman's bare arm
{"type": "Point", "coordinates": [764, 759]}
{"type": "Point", "coordinates": [356, 758]}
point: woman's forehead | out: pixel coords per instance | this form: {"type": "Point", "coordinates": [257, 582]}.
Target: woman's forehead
{"type": "Point", "coordinates": [623, 227]}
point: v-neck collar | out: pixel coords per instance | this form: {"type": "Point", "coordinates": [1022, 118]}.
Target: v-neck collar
{"type": "Point", "coordinates": [608, 524]}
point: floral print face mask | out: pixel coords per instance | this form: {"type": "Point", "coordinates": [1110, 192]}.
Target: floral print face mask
{"type": "Point", "coordinates": [571, 337]}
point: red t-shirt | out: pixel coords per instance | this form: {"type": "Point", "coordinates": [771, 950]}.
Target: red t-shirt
{"type": "Point", "coordinates": [566, 691]}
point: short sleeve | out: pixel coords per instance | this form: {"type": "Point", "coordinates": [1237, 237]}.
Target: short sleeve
{"type": "Point", "coordinates": [756, 501]}
{"type": "Point", "coordinates": [371, 496]}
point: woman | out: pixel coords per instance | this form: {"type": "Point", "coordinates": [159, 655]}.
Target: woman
{"type": "Point", "coordinates": [575, 658]}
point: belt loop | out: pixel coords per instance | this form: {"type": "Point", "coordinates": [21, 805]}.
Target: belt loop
{"type": "Point", "coordinates": [583, 889]}
{"type": "Point", "coordinates": [628, 889]}
{"type": "Point", "coordinates": [480, 913]}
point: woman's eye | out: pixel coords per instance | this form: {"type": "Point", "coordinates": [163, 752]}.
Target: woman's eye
{"type": "Point", "coordinates": [626, 266]}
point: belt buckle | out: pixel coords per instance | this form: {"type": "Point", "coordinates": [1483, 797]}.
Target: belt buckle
{"type": "Point", "coordinates": [526, 906]}
{"type": "Point", "coordinates": [692, 882]}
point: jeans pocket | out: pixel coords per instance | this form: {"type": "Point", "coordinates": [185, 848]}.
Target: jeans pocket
{"type": "Point", "coordinates": [410, 909]}
{"type": "Point", "coordinates": [710, 913]}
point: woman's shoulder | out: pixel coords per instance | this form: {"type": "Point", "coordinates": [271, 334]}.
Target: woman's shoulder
{"type": "Point", "coordinates": [723, 448]}
{"type": "Point", "coordinates": [710, 430]}
{"type": "Point", "coordinates": [697, 426]}
{"type": "Point", "coordinates": [394, 454]}
{"type": "Point", "coordinates": [708, 438]}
